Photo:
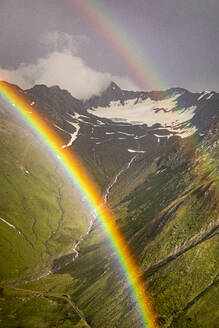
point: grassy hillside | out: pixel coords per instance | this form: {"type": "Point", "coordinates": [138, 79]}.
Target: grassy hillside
{"type": "Point", "coordinates": [43, 208]}
{"type": "Point", "coordinates": [171, 222]}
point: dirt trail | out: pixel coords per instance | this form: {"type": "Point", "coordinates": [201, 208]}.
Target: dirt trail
{"type": "Point", "coordinates": [66, 297]}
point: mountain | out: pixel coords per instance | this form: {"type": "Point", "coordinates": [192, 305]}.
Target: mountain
{"type": "Point", "coordinates": [174, 100]}
{"type": "Point", "coordinates": [154, 156]}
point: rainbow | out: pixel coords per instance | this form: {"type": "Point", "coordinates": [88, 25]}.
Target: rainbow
{"type": "Point", "coordinates": [77, 173]}
{"type": "Point", "coordinates": [108, 27]}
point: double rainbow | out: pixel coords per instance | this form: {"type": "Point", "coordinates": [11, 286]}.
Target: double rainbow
{"type": "Point", "coordinates": [77, 173]}
{"type": "Point", "coordinates": [105, 23]}
{"type": "Point", "coordinates": [143, 73]}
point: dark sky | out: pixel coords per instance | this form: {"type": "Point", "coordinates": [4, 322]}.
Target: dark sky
{"type": "Point", "coordinates": [180, 38]}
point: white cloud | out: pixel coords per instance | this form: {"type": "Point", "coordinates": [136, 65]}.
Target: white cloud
{"type": "Point", "coordinates": [64, 68]}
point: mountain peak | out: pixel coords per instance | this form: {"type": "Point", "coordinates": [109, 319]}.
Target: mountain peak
{"type": "Point", "coordinates": [112, 90]}
{"type": "Point", "coordinates": [54, 90]}
{"type": "Point", "coordinates": [114, 86]}
{"type": "Point", "coordinates": [59, 99]}
{"type": "Point", "coordinates": [176, 90]}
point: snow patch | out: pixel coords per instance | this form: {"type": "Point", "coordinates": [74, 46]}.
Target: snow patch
{"type": "Point", "coordinates": [127, 134]}
{"type": "Point", "coordinates": [73, 135]}
{"type": "Point", "coordinates": [9, 224]}
{"type": "Point", "coordinates": [205, 93]}
{"type": "Point", "coordinates": [160, 171]}
{"type": "Point", "coordinates": [136, 151]}
{"type": "Point", "coordinates": [61, 129]}
{"type": "Point", "coordinates": [100, 122]}
{"type": "Point", "coordinates": [161, 136]}
{"type": "Point", "coordinates": [140, 137]}
{"type": "Point", "coordinates": [76, 116]}
{"type": "Point", "coordinates": [148, 112]}
{"type": "Point", "coordinates": [210, 96]}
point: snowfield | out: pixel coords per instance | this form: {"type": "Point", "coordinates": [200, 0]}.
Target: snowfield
{"type": "Point", "coordinates": [149, 112]}
{"type": "Point", "coordinates": [136, 151]}
{"type": "Point", "coordinates": [73, 135]}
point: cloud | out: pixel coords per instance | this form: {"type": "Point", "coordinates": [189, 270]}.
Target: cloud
{"type": "Point", "coordinates": [59, 41]}
{"type": "Point", "coordinates": [63, 67]}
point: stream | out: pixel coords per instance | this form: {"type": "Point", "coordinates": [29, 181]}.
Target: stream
{"type": "Point", "coordinates": [105, 198]}
{"type": "Point", "coordinates": [73, 256]}
{"type": "Point", "coordinates": [61, 262]}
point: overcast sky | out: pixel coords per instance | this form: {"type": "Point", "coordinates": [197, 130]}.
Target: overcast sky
{"type": "Point", "coordinates": [54, 42]}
